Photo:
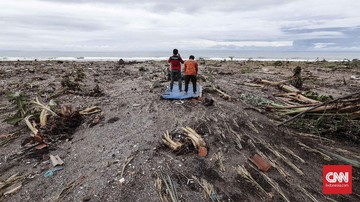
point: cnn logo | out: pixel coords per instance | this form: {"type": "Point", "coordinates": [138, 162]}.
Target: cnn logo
{"type": "Point", "coordinates": [337, 179]}
{"type": "Point", "coordinates": [334, 177]}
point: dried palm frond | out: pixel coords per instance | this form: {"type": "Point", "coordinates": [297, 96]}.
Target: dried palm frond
{"type": "Point", "coordinates": [272, 162]}
{"type": "Point", "coordinates": [127, 161]}
{"type": "Point", "coordinates": [6, 139]}
{"type": "Point", "coordinates": [289, 151]}
{"type": "Point", "coordinates": [274, 184]}
{"type": "Point", "coordinates": [173, 145]}
{"type": "Point", "coordinates": [69, 188]}
{"type": "Point", "coordinates": [251, 126]}
{"type": "Point", "coordinates": [307, 148]}
{"type": "Point", "coordinates": [197, 140]}
{"type": "Point", "coordinates": [286, 160]}
{"type": "Point", "coordinates": [241, 170]}
{"type": "Point", "coordinates": [219, 159]}
{"type": "Point", "coordinates": [12, 184]}
{"type": "Point", "coordinates": [303, 190]}
{"type": "Point", "coordinates": [280, 169]}
{"type": "Point", "coordinates": [315, 136]}
{"type": "Point", "coordinates": [237, 139]}
{"type": "Point", "coordinates": [159, 187]}
{"type": "Point", "coordinates": [209, 189]}
{"type": "Point", "coordinates": [170, 187]}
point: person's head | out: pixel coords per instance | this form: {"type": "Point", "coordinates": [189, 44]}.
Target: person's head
{"type": "Point", "coordinates": [175, 51]}
{"type": "Point", "coordinates": [192, 57]}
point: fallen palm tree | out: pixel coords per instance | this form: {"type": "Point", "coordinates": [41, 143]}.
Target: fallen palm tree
{"type": "Point", "coordinates": [346, 104]}
{"type": "Point", "coordinates": [341, 158]}
{"type": "Point", "coordinates": [299, 98]}
{"type": "Point", "coordinates": [281, 85]}
{"type": "Point", "coordinates": [339, 108]}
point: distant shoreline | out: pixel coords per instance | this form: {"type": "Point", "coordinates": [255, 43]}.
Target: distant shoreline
{"type": "Point", "coordinates": [163, 55]}
{"type": "Point", "coordinates": [112, 59]}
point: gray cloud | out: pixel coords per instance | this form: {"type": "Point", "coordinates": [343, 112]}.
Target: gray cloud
{"type": "Point", "coordinates": [188, 6]}
{"type": "Point", "coordinates": [54, 23]}
{"type": "Point", "coordinates": [113, 25]}
{"type": "Point", "coordinates": [349, 40]}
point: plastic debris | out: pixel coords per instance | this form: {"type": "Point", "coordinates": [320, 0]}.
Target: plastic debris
{"type": "Point", "coordinates": [51, 172]}
{"type": "Point", "coordinates": [56, 160]}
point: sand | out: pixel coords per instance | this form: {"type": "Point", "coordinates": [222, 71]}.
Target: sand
{"type": "Point", "coordinates": [135, 118]}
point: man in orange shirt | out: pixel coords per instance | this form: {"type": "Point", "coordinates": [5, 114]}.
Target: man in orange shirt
{"type": "Point", "coordinates": [190, 71]}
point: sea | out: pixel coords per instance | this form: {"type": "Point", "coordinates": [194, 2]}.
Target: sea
{"type": "Point", "coordinates": [164, 55]}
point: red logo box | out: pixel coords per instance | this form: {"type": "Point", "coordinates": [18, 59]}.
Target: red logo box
{"type": "Point", "coordinates": [337, 179]}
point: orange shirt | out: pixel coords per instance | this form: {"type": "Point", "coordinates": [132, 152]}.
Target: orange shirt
{"type": "Point", "coordinates": [191, 67]}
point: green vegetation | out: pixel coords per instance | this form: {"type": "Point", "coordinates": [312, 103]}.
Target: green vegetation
{"type": "Point", "coordinates": [316, 96]}
{"type": "Point", "coordinates": [19, 101]}
{"type": "Point", "coordinates": [246, 70]}
{"type": "Point", "coordinates": [330, 125]}
{"type": "Point", "coordinates": [254, 100]}
{"type": "Point", "coordinates": [351, 64]}
{"type": "Point", "coordinates": [278, 63]}
{"type": "Point", "coordinates": [72, 79]}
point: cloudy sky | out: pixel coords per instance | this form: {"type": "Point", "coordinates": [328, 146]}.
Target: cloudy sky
{"type": "Point", "coordinates": [141, 25]}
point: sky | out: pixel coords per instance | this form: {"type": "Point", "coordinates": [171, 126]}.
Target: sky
{"type": "Point", "coordinates": [141, 25]}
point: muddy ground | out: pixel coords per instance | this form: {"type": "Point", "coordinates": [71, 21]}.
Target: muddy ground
{"type": "Point", "coordinates": [135, 118]}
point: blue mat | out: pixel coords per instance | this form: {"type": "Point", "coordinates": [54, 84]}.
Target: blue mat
{"type": "Point", "coordinates": [177, 95]}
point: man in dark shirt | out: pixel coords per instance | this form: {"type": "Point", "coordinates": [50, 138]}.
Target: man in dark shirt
{"type": "Point", "coordinates": [175, 63]}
